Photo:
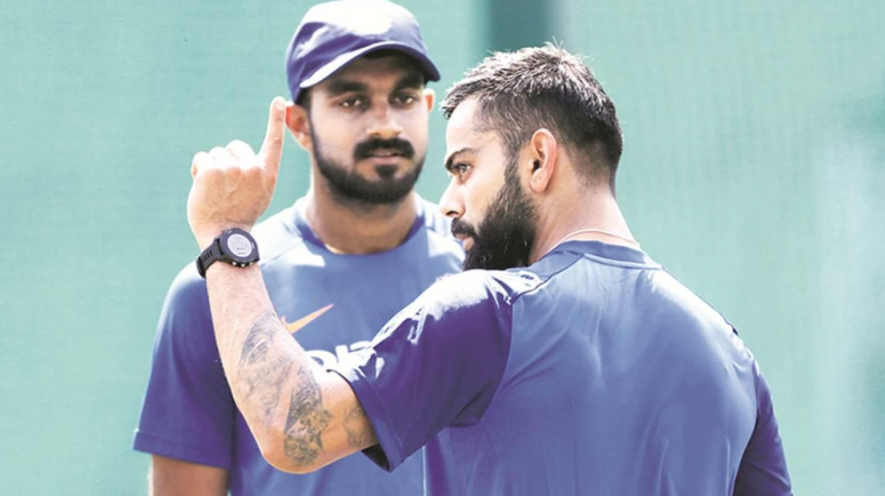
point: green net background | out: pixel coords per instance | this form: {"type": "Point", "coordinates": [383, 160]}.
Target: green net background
{"type": "Point", "coordinates": [754, 171]}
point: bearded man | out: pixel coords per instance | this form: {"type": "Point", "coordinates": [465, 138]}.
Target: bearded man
{"type": "Point", "coordinates": [582, 369]}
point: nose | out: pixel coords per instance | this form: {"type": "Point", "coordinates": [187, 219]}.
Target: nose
{"type": "Point", "coordinates": [451, 203]}
{"type": "Point", "coordinates": [384, 124]}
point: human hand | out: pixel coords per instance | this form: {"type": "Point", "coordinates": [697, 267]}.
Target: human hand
{"type": "Point", "coordinates": [232, 185]}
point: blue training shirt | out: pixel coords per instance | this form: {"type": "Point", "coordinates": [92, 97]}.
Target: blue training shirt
{"type": "Point", "coordinates": [592, 372]}
{"type": "Point", "coordinates": [189, 413]}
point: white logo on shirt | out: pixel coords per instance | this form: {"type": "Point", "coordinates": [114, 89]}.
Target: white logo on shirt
{"type": "Point", "coordinates": [342, 353]}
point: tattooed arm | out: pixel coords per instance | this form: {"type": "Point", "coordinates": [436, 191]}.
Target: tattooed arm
{"type": "Point", "coordinates": [302, 416]}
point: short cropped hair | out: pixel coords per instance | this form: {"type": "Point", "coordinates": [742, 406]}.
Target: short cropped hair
{"type": "Point", "coordinates": [544, 87]}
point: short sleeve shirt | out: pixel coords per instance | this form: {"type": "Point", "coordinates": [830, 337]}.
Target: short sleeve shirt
{"type": "Point", "coordinates": [334, 304]}
{"type": "Point", "coordinates": [592, 372]}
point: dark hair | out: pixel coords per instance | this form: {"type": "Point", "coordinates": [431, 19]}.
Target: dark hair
{"type": "Point", "coordinates": [544, 87]}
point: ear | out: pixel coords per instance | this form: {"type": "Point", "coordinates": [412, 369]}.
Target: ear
{"type": "Point", "coordinates": [429, 97]}
{"type": "Point", "coordinates": [542, 151]}
{"type": "Point", "coordinates": [299, 125]}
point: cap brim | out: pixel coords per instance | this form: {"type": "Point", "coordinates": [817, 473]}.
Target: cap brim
{"type": "Point", "coordinates": [342, 60]}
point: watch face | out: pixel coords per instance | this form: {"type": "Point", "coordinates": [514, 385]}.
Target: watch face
{"type": "Point", "coordinates": [239, 245]}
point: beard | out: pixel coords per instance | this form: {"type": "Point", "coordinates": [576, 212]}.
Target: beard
{"type": "Point", "coordinates": [349, 187]}
{"type": "Point", "coordinates": [506, 236]}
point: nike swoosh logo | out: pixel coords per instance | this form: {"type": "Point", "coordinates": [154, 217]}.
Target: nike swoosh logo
{"type": "Point", "coordinates": [303, 321]}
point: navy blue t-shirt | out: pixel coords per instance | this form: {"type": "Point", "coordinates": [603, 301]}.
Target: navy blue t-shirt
{"type": "Point", "coordinates": [592, 372]}
{"type": "Point", "coordinates": [189, 412]}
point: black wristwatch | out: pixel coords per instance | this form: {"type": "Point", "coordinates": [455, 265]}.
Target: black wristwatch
{"type": "Point", "coordinates": [234, 246]}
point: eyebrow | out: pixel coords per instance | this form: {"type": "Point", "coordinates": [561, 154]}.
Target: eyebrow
{"type": "Point", "coordinates": [342, 86]}
{"type": "Point", "coordinates": [450, 162]}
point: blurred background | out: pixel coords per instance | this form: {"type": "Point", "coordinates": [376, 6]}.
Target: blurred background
{"type": "Point", "coordinates": [754, 170]}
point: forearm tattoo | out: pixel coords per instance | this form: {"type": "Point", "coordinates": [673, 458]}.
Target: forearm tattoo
{"type": "Point", "coordinates": [264, 373]}
{"type": "Point", "coordinates": [355, 424]}
{"type": "Point", "coordinates": [307, 420]}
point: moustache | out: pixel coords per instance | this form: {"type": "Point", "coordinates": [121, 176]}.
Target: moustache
{"type": "Point", "coordinates": [398, 146]}
{"type": "Point", "coordinates": [461, 227]}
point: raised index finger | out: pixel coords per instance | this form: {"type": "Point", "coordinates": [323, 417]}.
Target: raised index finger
{"type": "Point", "coordinates": [272, 149]}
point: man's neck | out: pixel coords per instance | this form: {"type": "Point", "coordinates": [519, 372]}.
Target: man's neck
{"type": "Point", "coordinates": [360, 229]}
{"type": "Point", "coordinates": [599, 218]}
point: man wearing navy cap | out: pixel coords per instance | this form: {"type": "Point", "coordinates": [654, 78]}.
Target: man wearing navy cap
{"type": "Point", "coordinates": [339, 263]}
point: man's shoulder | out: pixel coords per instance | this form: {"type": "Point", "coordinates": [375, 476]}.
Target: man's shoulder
{"type": "Point", "coordinates": [277, 234]}
{"type": "Point", "coordinates": [472, 288]}
{"type": "Point", "coordinates": [187, 288]}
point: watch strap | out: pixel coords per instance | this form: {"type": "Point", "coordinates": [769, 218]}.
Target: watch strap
{"type": "Point", "coordinates": [209, 256]}
{"type": "Point", "coordinates": [217, 251]}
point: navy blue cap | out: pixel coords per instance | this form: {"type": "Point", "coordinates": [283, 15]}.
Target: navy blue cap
{"type": "Point", "coordinates": [334, 34]}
